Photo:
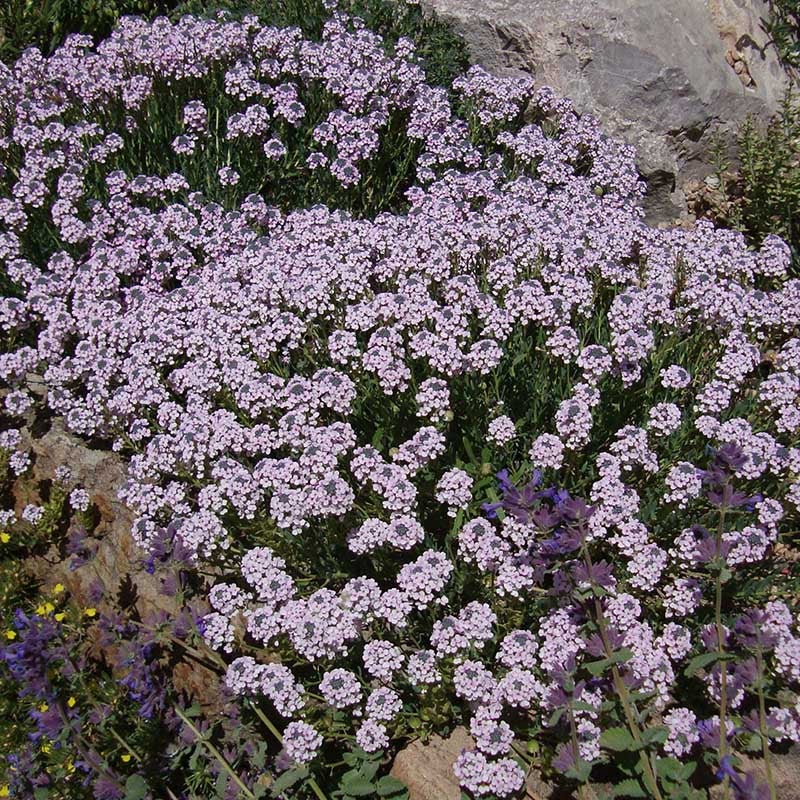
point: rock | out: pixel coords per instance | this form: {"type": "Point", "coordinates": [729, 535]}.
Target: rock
{"type": "Point", "coordinates": [427, 769]}
{"type": "Point", "coordinates": [785, 774]}
{"type": "Point", "coordinates": [117, 564]}
{"type": "Point", "coordinates": [661, 76]}
{"type": "Point", "coordinates": [101, 473]}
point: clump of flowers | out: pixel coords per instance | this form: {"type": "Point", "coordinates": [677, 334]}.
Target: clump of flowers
{"type": "Point", "coordinates": [307, 398]}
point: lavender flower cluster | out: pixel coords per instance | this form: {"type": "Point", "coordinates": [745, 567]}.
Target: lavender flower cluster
{"type": "Point", "coordinates": [290, 384]}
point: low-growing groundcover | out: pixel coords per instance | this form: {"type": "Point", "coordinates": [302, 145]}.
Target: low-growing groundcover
{"type": "Point", "coordinates": [425, 427]}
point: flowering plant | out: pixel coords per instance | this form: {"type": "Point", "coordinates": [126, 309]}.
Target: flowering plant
{"type": "Point", "coordinates": [314, 400]}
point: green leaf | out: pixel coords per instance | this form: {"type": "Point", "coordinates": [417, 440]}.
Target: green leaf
{"type": "Point", "coordinates": [704, 660]}
{"type": "Point", "coordinates": [388, 785]}
{"type": "Point", "coordinates": [555, 717]}
{"type": "Point", "coordinates": [580, 772]}
{"type": "Point", "coordinates": [622, 655]}
{"type": "Point", "coordinates": [357, 785]}
{"type": "Point", "coordinates": [617, 739]}
{"type": "Point", "coordinates": [655, 735]}
{"type": "Point", "coordinates": [42, 793]}
{"type": "Point", "coordinates": [287, 780]}
{"type": "Point", "coordinates": [470, 451]}
{"type": "Point", "coordinates": [671, 769]}
{"type": "Point", "coordinates": [598, 667]}
{"type": "Point", "coordinates": [194, 710]}
{"type": "Point", "coordinates": [135, 787]}
{"type": "Point", "coordinates": [630, 787]}
{"type": "Point", "coordinates": [369, 769]}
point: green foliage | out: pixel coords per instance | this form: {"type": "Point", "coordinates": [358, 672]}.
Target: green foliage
{"type": "Point", "coordinates": [783, 25]}
{"type": "Point", "coordinates": [770, 175]}
{"type": "Point", "coordinates": [45, 23]}
{"type": "Point", "coordinates": [444, 54]}
{"type": "Point", "coordinates": [763, 195]}
{"type": "Point", "coordinates": [362, 780]}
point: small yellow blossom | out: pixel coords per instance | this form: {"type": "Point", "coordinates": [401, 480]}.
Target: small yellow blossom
{"type": "Point", "coordinates": [43, 707]}
{"type": "Point", "coordinates": [46, 747]}
{"type": "Point", "coordinates": [60, 616]}
{"type": "Point", "coordinates": [69, 767]}
{"type": "Point", "coordinates": [11, 635]}
{"type": "Point", "coordinates": [58, 588]}
{"type": "Point", "coordinates": [71, 702]}
{"type": "Point", "coordinates": [44, 608]}
{"type": "Point", "coordinates": [4, 791]}
{"type": "Point", "coordinates": [126, 757]}
{"type": "Point", "coordinates": [90, 612]}
{"type": "Point", "coordinates": [5, 539]}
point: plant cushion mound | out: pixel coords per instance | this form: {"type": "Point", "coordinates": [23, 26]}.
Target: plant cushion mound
{"type": "Point", "coordinates": [297, 286]}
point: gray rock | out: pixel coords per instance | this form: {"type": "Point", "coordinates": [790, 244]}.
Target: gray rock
{"type": "Point", "coordinates": [663, 76]}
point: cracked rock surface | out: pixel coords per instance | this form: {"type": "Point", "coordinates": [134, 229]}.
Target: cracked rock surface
{"type": "Point", "coordinates": [665, 77]}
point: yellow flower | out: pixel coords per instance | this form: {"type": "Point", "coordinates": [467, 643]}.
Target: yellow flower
{"type": "Point", "coordinates": [11, 635]}
{"type": "Point", "coordinates": [43, 707]}
{"type": "Point", "coordinates": [60, 616]}
{"type": "Point", "coordinates": [69, 767]}
{"type": "Point", "coordinates": [126, 757]}
{"type": "Point", "coordinates": [58, 588]}
{"type": "Point", "coordinates": [4, 791]}
{"type": "Point", "coordinates": [71, 702]}
{"type": "Point", "coordinates": [45, 747]}
{"type": "Point", "coordinates": [40, 610]}
{"type": "Point", "coordinates": [90, 612]}
{"type": "Point", "coordinates": [5, 539]}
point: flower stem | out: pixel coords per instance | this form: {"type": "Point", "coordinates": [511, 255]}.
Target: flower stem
{"type": "Point", "coordinates": [277, 734]}
{"type": "Point", "coordinates": [723, 667]}
{"type": "Point", "coordinates": [621, 688]}
{"type": "Point", "coordinates": [762, 724]}
{"type": "Point", "coordinates": [214, 752]}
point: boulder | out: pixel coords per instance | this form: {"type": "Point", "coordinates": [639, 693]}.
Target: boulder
{"type": "Point", "coordinates": [427, 768]}
{"type": "Point", "coordinates": [664, 77]}
{"type": "Point", "coordinates": [427, 771]}
{"type": "Point", "coordinates": [118, 563]}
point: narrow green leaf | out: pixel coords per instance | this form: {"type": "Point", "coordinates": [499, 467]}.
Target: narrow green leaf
{"type": "Point", "coordinates": [288, 779]}
{"type": "Point", "coordinates": [704, 660]}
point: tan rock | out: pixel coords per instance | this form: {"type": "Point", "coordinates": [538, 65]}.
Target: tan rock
{"type": "Point", "coordinates": [427, 769]}
{"type": "Point", "coordinates": [117, 564]}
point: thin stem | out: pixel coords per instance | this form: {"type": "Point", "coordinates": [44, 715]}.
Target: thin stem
{"type": "Point", "coordinates": [621, 688]}
{"type": "Point", "coordinates": [125, 744]}
{"type": "Point", "coordinates": [762, 725]}
{"type": "Point", "coordinates": [277, 734]}
{"type": "Point", "coordinates": [214, 752]}
{"type": "Point", "coordinates": [723, 667]}
{"type": "Point", "coordinates": [575, 747]}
